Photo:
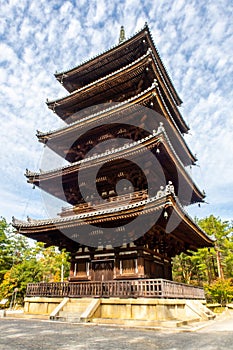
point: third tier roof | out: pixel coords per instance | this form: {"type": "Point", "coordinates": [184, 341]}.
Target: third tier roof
{"type": "Point", "coordinates": [64, 180]}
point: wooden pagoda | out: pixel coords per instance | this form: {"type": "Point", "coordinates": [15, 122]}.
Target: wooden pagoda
{"type": "Point", "coordinates": [106, 94]}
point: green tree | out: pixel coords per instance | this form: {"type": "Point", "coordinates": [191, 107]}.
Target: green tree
{"type": "Point", "coordinates": [23, 262]}
{"type": "Point", "coordinates": [54, 264]}
{"type": "Point", "coordinates": [12, 248]}
{"type": "Point", "coordinates": [221, 232]}
{"type": "Point", "coordinates": [206, 264]}
{"type": "Point", "coordinates": [197, 267]}
{"type": "Point", "coordinates": [220, 291]}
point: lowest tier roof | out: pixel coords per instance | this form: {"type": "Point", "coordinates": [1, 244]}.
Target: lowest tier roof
{"type": "Point", "coordinates": [68, 231]}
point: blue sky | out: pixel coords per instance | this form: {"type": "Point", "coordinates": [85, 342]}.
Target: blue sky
{"type": "Point", "coordinates": [37, 38]}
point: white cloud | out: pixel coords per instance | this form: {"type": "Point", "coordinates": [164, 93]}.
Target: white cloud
{"type": "Point", "coordinates": [66, 9]}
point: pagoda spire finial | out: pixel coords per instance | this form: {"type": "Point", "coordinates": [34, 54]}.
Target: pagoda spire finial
{"type": "Point", "coordinates": [122, 35]}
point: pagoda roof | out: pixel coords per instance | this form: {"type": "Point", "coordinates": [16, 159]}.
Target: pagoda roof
{"type": "Point", "coordinates": [130, 75]}
{"type": "Point", "coordinates": [52, 231]}
{"type": "Point", "coordinates": [67, 106]}
{"type": "Point", "coordinates": [97, 116]}
{"type": "Point", "coordinates": [117, 56]}
{"type": "Point", "coordinates": [153, 140]}
{"type": "Point", "coordinates": [143, 98]}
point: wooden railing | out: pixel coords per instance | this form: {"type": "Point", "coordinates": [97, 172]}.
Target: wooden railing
{"type": "Point", "coordinates": [111, 202]}
{"type": "Point", "coordinates": [147, 288]}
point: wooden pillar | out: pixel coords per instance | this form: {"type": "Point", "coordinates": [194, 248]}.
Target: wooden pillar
{"type": "Point", "coordinates": [72, 267]}
{"type": "Point", "coordinates": [140, 267]}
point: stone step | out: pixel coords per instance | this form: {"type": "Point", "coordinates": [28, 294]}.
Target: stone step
{"type": "Point", "coordinates": [144, 323]}
{"type": "Point", "coordinates": [75, 308]}
{"type": "Point", "coordinates": [80, 300]}
{"type": "Point", "coordinates": [67, 319]}
{"type": "Point", "coordinates": [69, 314]}
{"type": "Point", "coordinates": [72, 311]}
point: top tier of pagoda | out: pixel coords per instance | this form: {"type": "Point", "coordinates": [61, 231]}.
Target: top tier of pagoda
{"type": "Point", "coordinates": [114, 59]}
{"type": "Point", "coordinates": [132, 66]}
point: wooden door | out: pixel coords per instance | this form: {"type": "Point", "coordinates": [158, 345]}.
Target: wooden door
{"type": "Point", "coordinates": [103, 270]}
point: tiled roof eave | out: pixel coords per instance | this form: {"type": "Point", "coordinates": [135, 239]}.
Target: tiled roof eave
{"type": "Point", "coordinates": [142, 32]}
{"type": "Point", "coordinates": [159, 135]}
{"type": "Point", "coordinates": [104, 111]}
{"type": "Point", "coordinates": [100, 80]}
{"type": "Point", "coordinates": [151, 204]}
{"type": "Point", "coordinates": [181, 120]}
{"type": "Point", "coordinates": [190, 220]}
{"type": "Point", "coordinates": [97, 56]}
{"type": "Point", "coordinates": [31, 174]}
{"type": "Point", "coordinates": [45, 136]}
{"type": "Point", "coordinates": [178, 99]}
{"type": "Point", "coordinates": [174, 123]}
{"type": "Point", "coordinates": [111, 211]}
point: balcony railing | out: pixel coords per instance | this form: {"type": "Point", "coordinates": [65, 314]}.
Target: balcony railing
{"type": "Point", "coordinates": [112, 202]}
{"type": "Point", "coordinates": [146, 288]}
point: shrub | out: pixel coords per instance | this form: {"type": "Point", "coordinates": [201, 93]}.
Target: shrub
{"type": "Point", "coordinates": [220, 291]}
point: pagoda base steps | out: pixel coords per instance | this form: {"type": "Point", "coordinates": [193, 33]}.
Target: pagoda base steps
{"type": "Point", "coordinates": [73, 310]}
{"type": "Point", "coordinates": [202, 310]}
{"type": "Point", "coordinates": [132, 312]}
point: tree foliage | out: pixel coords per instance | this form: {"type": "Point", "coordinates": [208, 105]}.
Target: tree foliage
{"type": "Point", "coordinates": [22, 262]}
{"type": "Point", "coordinates": [210, 267]}
{"type": "Point", "coordinates": [220, 291]}
{"type": "Point", "coordinates": [11, 248]}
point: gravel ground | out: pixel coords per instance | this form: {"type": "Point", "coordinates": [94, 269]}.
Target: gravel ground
{"type": "Point", "coordinates": [25, 334]}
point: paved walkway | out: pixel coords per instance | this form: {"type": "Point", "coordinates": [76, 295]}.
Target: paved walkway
{"type": "Point", "coordinates": [25, 334]}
